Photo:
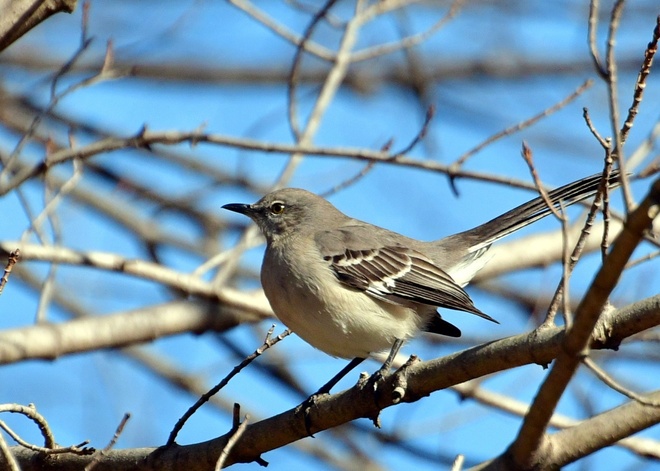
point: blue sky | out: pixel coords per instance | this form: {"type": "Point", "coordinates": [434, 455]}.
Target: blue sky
{"type": "Point", "coordinates": [83, 396]}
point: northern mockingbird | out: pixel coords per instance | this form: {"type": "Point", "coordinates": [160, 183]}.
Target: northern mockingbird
{"type": "Point", "coordinates": [350, 288]}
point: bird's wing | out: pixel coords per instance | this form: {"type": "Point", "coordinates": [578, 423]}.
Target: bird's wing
{"type": "Point", "coordinates": [392, 272]}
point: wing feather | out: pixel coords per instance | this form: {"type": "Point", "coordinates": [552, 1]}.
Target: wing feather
{"type": "Point", "coordinates": [399, 274]}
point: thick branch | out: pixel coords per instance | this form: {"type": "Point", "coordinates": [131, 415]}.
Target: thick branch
{"type": "Point", "coordinates": [603, 430]}
{"type": "Point", "coordinates": [530, 449]}
{"type": "Point", "coordinates": [417, 381]}
{"type": "Point", "coordinates": [20, 16]}
{"type": "Point", "coordinates": [188, 284]}
{"type": "Point", "coordinates": [49, 341]}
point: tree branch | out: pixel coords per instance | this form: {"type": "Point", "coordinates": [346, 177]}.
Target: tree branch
{"type": "Point", "coordinates": [420, 380]}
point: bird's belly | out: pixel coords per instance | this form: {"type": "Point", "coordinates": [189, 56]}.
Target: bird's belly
{"type": "Point", "coordinates": [353, 325]}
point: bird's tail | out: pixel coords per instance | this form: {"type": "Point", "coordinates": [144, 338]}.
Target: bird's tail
{"type": "Point", "coordinates": [536, 209]}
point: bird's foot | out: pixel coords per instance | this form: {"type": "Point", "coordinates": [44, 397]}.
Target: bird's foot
{"type": "Point", "coordinates": [384, 371]}
{"type": "Point", "coordinates": [379, 376]}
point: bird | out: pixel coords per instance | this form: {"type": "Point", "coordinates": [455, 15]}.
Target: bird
{"type": "Point", "coordinates": [352, 289]}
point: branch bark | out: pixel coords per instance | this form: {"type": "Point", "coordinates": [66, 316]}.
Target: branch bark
{"type": "Point", "coordinates": [407, 385]}
{"type": "Point", "coordinates": [20, 16]}
{"type": "Point", "coordinates": [50, 341]}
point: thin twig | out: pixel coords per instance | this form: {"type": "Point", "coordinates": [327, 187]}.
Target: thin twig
{"type": "Point", "coordinates": [521, 125]}
{"type": "Point", "coordinates": [612, 383]}
{"type": "Point", "coordinates": [579, 246]}
{"type": "Point", "coordinates": [613, 100]}
{"type": "Point", "coordinates": [350, 181]}
{"type": "Point", "coordinates": [235, 437]}
{"type": "Point", "coordinates": [587, 119]}
{"type": "Point", "coordinates": [409, 41]}
{"type": "Point", "coordinates": [529, 159]}
{"type": "Point", "coordinates": [592, 30]}
{"type": "Point", "coordinates": [12, 259]}
{"type": "Point", "coordinates": [31, 413]}
{"type": "Point", "coordinates": [282, 31]}
{"type": "Point", "coordinates": [566, 270]}
{"type": "Point", "coordinates": [430, 113]}
{"type": "Point", "coordinates": [640, 84]}
{"type": "Point", "coordinates": [559, 214]}
{"type": "Point", "coordinates": [295, 67]}
{"type": "Point", "coordinates": [98, 455]}
{"type": "Point", "coordinates": [77, 449]}
{"type": "Point", "coordinates": [643, 259]}
{"type": "Point", "coordinates": [269, 342]}
{"type": "Point", "coordinates": [605, 191]}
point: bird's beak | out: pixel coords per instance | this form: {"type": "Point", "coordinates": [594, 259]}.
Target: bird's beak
{"type": "Point", "coordinates": [239, 208]}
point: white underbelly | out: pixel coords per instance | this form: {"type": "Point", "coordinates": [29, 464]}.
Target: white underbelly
{"type": "Point", "coordinates": [353, 325]}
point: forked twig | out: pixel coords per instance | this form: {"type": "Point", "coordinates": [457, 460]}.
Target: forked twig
{"type": "Point", "coordinates": [268, 342]}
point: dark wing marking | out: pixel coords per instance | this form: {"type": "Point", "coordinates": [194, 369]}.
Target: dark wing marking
{"type": "Point", "coordinates": [399, 274]}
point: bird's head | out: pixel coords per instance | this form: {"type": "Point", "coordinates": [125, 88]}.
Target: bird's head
{"type": "Point", "coordinates": [288, 211]}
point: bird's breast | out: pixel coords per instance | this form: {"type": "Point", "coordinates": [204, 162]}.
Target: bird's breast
{"type": "Point", "coordinates": [336, 319]}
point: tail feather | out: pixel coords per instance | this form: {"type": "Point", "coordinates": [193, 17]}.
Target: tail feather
{"type": "Point", "coordinates": [536, 209]}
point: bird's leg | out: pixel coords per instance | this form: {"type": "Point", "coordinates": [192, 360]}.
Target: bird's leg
{"type": "Point", "coordinates": [382, 372]}
{"type": "Point", "coordinates": [385, 368]}
{"type": "Point", "coordinates": [325, 389]}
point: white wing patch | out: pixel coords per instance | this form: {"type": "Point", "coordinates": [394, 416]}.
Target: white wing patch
{"type": "Point", "coordinates": [400, 275]}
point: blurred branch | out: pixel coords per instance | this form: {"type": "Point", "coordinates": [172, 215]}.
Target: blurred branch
{"type": "Point", "coordinates": [571, 444]}
{"type": "Point", "coordinates": [20, 16]}
{"type": "Point", "coordinates": [361, 78]}
{"type": "Point", "coordinates": [280, 30]}
{"type": "Point", "coordinates": [605, 377]}
{"type": "Point", "coordinates": [188, 284]}
{"type": "Point", "coordinates": [146, 138]}
{"type": "Point", "coordinates": [50, 341]}
{"type": "Point", "coordinates": [522, 125]}
{"type": "Point", "coordinates": [408, 42]}
{"type": "Point", "coordinates": [641, 446]}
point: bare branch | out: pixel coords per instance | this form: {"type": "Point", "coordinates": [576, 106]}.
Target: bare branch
{"type": "Point", "coordinates": [640, 84]}
{"type": "Point", "coordinates": [12, 259]}
{"type": "Point", "coordinates": [421, 380]}
{"type": "Point", "coordinates": [49, 341]}
{"type": "Point", "coordinates": [530, 439]}
{"type": "Point", "coordinates": [602, 430]}
{"type": "Point", "coordinates": [522, 125]}
{"type": "Point", "coordinates": [21, 16]}
{"type": "Point", "coordinates": [269, 342]}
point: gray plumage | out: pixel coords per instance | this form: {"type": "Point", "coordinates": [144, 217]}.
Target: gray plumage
{"type": "Point", "coordinates": [350, 288]}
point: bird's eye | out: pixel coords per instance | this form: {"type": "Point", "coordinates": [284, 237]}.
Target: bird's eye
{"type": "Point", "coordinates": [277, 208]}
